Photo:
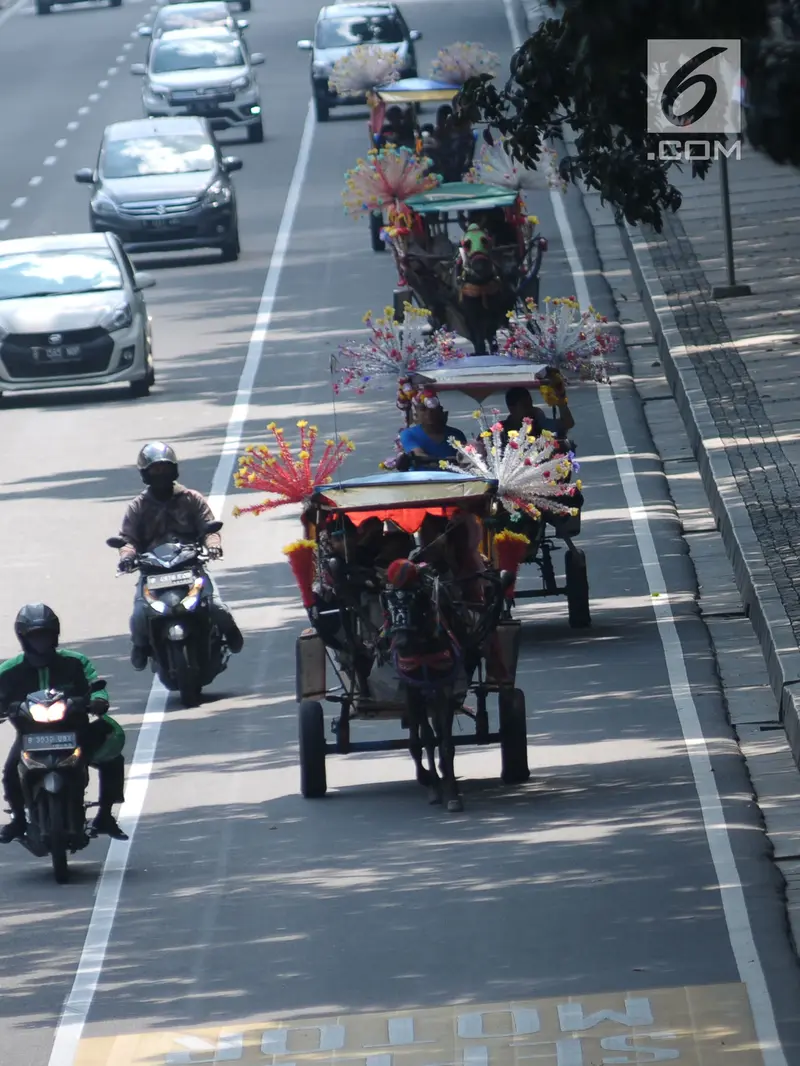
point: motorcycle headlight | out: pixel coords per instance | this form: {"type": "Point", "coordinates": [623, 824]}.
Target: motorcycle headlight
{"type": "Point", "coordinates": [217, 194]}
{"type": "Point", "coordinates": [241, 83]}
{"type": "Point", "coordinates": [120, 318]}
{"type": "Point", "coordinates": [42, 713]}
{"type": "Point", "coordinates": [104, 205]}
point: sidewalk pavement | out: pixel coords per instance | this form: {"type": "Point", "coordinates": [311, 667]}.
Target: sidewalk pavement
{"type": "Point", "coordinates": [734, 368]}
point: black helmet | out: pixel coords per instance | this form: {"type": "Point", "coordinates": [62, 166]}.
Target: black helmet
{"type": "Point", "coordinates": [38, 629]}
{"type": "Point", "coordinates": [156, 452]}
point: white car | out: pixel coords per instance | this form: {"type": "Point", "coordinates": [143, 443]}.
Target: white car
{"type": "Point", "coordinates": [72, 314]}
{"type": "Point", "coordinates": [193, 16]}
{"type": "Point", "coordinates": [206, 72]}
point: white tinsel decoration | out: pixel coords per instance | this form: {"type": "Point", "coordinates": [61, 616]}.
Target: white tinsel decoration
{"type": "Point", "coordinates": [561, 335]}
{"type": "Point", "coordinates": [395, 349]}
{"type": "Point", "coordinates": [494, 165]}
{"type": "Point", "coordinates": [367, 67]}
{"type": "Point", "coordinates": [528, 472]}
{"type": "Point", "coordinates": [461, 61]}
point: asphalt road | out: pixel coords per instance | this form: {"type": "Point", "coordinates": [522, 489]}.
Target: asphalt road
{"type": "Point", "coordinates": [242, 904]}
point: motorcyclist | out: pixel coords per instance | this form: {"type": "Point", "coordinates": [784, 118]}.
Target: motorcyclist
{"type": "Point", "coordinates": [166, 511]}
{"type": "Point", "coordinates": [43, 665]}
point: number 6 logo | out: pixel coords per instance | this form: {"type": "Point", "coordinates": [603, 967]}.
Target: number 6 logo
{"type": "Point", "coordinates": [684, 78]}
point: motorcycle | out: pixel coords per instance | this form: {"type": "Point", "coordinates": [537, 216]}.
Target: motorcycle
{"type": "Point", "coordinates": [187, 649]}
{"type": "Point", "coordinates": [54, 775]}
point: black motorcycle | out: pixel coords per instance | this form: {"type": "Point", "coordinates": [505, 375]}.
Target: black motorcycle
{"type": "Point", "coordinates": [54, 775]}
{"type": "Point", "coordinates": [187, 650]}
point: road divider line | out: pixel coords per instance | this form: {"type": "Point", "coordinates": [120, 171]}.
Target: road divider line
{"type": "Point", "coordinates": [20, 201]}
{"type": "Point", "coordinates": [35, 180]}
{"type": "Point", "coordinates": [90, 966]}
{"type": "Point", "coordinates": [51, 159]}
{"type": "Point", "coordinates": [71, 126]}
{"type": "Point", "coordinates": [83, 110]}
{"type": "Point", "coordinates": [6, 15]}
{"type": "Point", "coordinates": [4, 223]}
{"type": "Point", "coordinates": [61, 143]}
{"type": "Point", "coordinates": [734, 903]}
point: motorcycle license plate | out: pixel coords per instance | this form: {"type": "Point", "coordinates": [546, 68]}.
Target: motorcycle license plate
{"type": "Point", "coordinates": [166, 581]}
{"type": "Point", "coordinates": [50, 742]}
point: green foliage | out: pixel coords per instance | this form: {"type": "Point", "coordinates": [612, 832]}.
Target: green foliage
{"type": "Point", "coordinates": [588, 70]}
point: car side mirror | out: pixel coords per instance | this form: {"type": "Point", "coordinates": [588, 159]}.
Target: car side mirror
{"type": "Point", "coordinates": [141, 280]}
{"type": "Point", "coordinates": [84, 176]}
{"type": "Point", "coordinates": [212, 527]}
{"type": "Point", "coordinates": [242, 24]}
{"type": "Point", "coordinates": [305, 46]}
{"type": "Point", "coordinates": [257, 59]}
{"type": "Point", "coordinates": [139, 69]}
{"type": "Point", "coordinates": [232, 163]}
{"type": "Point", "coordinates": [145, 31]}
{"type": "Point", "coordinates": [415, 35]}
{"type": "Point", "coordinates": [116, 542]}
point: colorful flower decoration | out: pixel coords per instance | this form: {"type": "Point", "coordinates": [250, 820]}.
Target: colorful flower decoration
{"type": "Point", "coordinates": [302, 556]}
{"type": "Point", "coordinates": [531, 476]}
{"type": "Point", "coordinates": [461, 61]}
{"type": "Point", "coordinates": [510, 550]}
{"type": "Point", "coordinates": [367, 67]}
{"type": "Point", "coordinates": [396, 349]}
{"type": "Point", "coordinates": [386, 178]}
{"type": "Point", "coordinates": [563, 336]}
{"type": "Point", "coordinates": [291, 479]}
{"type": "Point", "coordinates": [495, 165]}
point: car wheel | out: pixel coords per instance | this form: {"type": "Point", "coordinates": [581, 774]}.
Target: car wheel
{"type": "Point", "coordinates": [142, 387]}
{"type": "Point", "coordinates": [323, 111]}
{"type": "Point", "coordinates": [42, 8]}
{"type": "Point", "coordinates": [115, 3]}
{"type": "Point", "coordinates": [245, 5]}
{"type": "Point", "coordinates": [255, 133]}
{"type": "Point", "coordinates": [231, 248]}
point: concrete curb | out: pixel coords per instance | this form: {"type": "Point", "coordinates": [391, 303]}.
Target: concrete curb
{"type": "Point", "coordinates": [759, 594]}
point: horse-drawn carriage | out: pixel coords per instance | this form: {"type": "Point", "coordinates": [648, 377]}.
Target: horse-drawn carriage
{"type": "Point", "coordinates": [411, 622]}
{"type": "Point", "coordinates": [480, 378]}
{"type": "Point", "coordinates": [470, 255]}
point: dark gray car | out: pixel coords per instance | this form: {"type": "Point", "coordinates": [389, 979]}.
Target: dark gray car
{"type": "Point", "coordinates": [163, 185]}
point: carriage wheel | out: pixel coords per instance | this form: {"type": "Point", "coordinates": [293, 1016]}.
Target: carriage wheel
{"type": "Point", "coordinates": [578, 591]}
{"type": "Point", "coordinates": [513, 737]}
{"type": "Point", "coordinates": [311, 725]}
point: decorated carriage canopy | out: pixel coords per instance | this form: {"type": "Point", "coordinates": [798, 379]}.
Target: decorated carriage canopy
{"type": "Point", "coordinates": [461, 196]}
{"type": "Point", "coordinates": [481, 376]}
{"type": "Point", "coordinates": [417, 91]}
{"type": "Point", "coordinates": [406, 498]}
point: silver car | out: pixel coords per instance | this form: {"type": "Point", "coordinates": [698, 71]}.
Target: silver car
{"type": "Point", "coordinates": [206, 72]}
{"type": "Point", "coordinates": [193, 16]}
{"type": "Point", "coordinates": [72, 314]}
{"type": "Point", "coordinates": [341, 28]}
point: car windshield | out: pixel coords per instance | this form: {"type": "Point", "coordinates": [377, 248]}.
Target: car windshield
{"type": "Point", "coordinates": [58, 273]}
{"type": "Point", "coordinates": [186, 20]}
{"type": "Point", "coordinates": [187, 153]}
{"type": "Point", "coordinates": [195, 53]}
{"type": "Point", "coordinates": [360, 29]}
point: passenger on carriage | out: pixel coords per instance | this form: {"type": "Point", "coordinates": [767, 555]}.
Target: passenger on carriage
{"type": "Point", "coordinates": [427, 442]}
{"type": "Point", "coordinates": [520, 406]}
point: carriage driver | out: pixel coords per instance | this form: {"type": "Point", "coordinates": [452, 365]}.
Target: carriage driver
{"type": "Point", "coordinates": [520, 406]}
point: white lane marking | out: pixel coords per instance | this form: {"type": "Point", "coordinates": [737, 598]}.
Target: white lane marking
{"type": "Point", "coordinates": [120, 59]}
{"type": "Point", "coordinates": [4, 223]}
{"type": "Point", "coordinates": [102, 84]}
{"type": "Point", "coordinates": [51, 159]}
{"type": "Point", "coordinates": [61, 143]}
{"type": "Point", "coordinates": [734, 904]}
{"type": "Point", "coordinates": [83, 110]}
{"type": "Point", "coordinates": [73, 125]}
{"type": "Point", "coordinates": [93, 98]}
{"type": "Point", "coordinates": [513, 27]}
{"type": "Point", "coordinates": [128, 44]}
{"type": "Point", "coordinates": [20, 201]}
{"type": "Point", "coordinates": [78, 1004]}
{"type": "Point", "coordinates": [36, 180]}
{"type": "Point", "coordinates": [6, 15]}
{"type": "Point", "coordinates": [111, 72]}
